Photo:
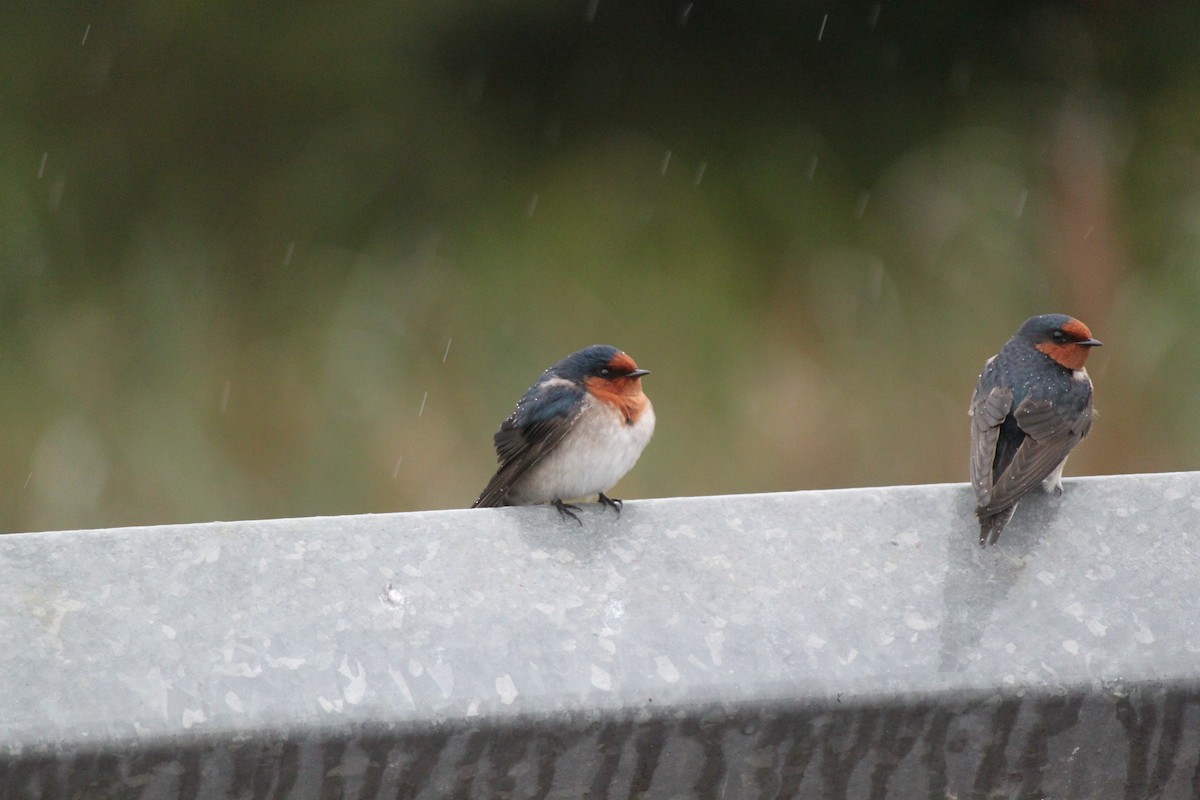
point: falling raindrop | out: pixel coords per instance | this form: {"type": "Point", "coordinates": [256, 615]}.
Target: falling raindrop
{"type": "Point", "coordinates": [1020, 209]}
{"type": "Point", "coordinates": [873, 16]}
{"type": "Point", "coordinates": [289, 252]}
{"type": "Point", "coordinates": [447, 352]}
{"type": "Point", "coordinates": [812, 167]}
{"type": "Point", "coordinates": [821, 32]}
{"type": "Point", "coordinates": [532, 205]}
{"type": "Point", "coordinates": [590, 13]}
{"type": "Point", "coordinates": [225, 396]}
{"type": "Point", "coordinates": [42, 166]}
{"type": "Point", "coordinates": [423, 399]}
{"type": "Point", "coordinates": [396, 471]}
{"type": "Point", "coordinates": [665, 162]}
{"type": "Point", "coordinates": [700, 172]}
{"type": "Point", "coordinates": [685, 11]}
{"type": "Point", "coordinates": [86, 31]}
{"type": "Point", "coordinates": [56, 192]}
{"type": "Point", "coordinates": [861, 208]}
{"type": "Point", "coordinates": [875, 282]}
{"type": "Point", "coordinates": [28, 478]}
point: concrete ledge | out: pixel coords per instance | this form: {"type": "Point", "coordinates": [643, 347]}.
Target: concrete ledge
{"type": "Point", "coordinates": [852, 643]}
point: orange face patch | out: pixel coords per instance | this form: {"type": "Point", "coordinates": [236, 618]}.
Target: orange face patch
{"type": "Point", "coordinates": [623, 394]}
{"type": "Point", "coordinates": [1077, 329]}
{"type": "Point", "coordinates": [622, 363]}
{"type": "Point", "coordinates": [1072, 356]}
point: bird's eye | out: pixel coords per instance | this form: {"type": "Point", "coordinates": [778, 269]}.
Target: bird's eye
{"type": "Point", "coordinates": [1058, 336]}
{"type": "Point", "coordinates": [606, 372]}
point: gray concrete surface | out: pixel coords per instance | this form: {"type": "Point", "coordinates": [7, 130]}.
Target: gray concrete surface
{"type": "Point", "coordinates": [854, 643]}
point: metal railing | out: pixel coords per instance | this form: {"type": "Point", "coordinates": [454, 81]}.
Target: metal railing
{"type": "Point", "coordinates": [852, 643]}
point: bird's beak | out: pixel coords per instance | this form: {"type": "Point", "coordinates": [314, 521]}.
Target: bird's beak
{"type": "Point", "coordinates": [637, 373]}
{"type": "Point", "coordinates": [1090, 343]}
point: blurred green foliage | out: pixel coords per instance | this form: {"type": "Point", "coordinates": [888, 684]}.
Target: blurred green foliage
{"type": "Point", "coordinates": [263, 260]}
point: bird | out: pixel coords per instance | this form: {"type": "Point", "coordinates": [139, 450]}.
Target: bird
{"type": "Point", "coordinates": [577, 431]}
{"type": "Point", "coordinates": [1032, 405]}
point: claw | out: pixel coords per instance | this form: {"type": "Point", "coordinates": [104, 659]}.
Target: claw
{"type": "Point", "coordinates": [606, 501]}
{"type": "Point", "coordinates": [567, 510]}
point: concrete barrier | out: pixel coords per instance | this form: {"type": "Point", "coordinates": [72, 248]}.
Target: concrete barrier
{"type": "Point", "coordinates": [854, 643]}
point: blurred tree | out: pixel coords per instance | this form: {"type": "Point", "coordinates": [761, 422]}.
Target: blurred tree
{"type": "Point", "coordinates": [296, 259]}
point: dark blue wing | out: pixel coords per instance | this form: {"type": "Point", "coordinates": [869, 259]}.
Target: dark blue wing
{"type": "Point", "coordinates": [542, 418]}
{"type": "Point", "coordinates": [544, 408]}
{"type": "Point", "coordinates": [1049, 435]}
{"type": "Point", "coordinates": [990, 406]}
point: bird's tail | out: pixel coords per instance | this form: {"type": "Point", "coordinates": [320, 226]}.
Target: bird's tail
{"type": "Point", "coordinates": [487, 500]}
{"type": "Point", "coordinates": [991, 524]}
{"type": "Point", "coordinates": [493, 496]}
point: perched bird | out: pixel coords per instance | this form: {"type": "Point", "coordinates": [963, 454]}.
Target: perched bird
{"type": "Point", "coordinates": [1032, 405]}
{"type": "Point", "coordinates": [575, 433]}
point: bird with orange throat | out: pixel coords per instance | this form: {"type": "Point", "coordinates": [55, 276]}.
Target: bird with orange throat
{"type": "Point", "coordinates": [574, 434]}
{"type": "Point", "coordinates": [1032, 405]}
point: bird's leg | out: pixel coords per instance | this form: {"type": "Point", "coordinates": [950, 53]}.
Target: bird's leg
{"type": "Point", "coordinates": [567, 510]}
{"type": "Point", "coordinates": [1052, 484]}
{"type": "Point", "coordinates": [615, 505]}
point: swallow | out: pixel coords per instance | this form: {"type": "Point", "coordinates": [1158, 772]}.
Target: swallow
{"type": "Point", "coordinates": [1032, 405]}
{"type": "Point", "coordinates": [577, 431]}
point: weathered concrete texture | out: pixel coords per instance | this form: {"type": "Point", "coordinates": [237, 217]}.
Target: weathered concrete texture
{"type": "Point", "coordinates": [851, 643]}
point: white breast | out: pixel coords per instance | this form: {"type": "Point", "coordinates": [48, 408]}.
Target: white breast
{"type": "Point", "coordinates": [596, 454]}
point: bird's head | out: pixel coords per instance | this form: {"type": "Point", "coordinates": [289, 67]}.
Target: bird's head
{"type": "Point", "coordinates": [600, 365]}
{"type": "Point", "coordinates": [609, 375]}
{"type": "Point", "coordinates": [1064, 339]}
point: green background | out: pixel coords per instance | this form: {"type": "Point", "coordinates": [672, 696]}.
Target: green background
{"type": "Point", "coordinates": [285, 259]}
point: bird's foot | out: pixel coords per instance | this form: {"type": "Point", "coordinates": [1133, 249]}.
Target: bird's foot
{"type": "Point", "coordinates": [1052, 487]}
{"type": "Point", "coordinates": [567, 510]}
{"type": "Point", "coordinates": [615, 505]}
